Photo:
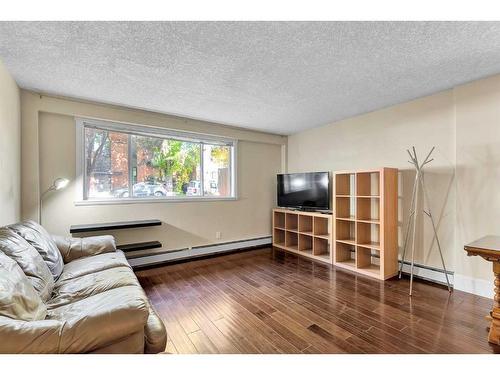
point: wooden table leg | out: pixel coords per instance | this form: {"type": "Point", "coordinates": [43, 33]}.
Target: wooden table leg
{"type": "Point", "coordinates": [494, 335]}
{"type": "Point", "coordinates": [496, 272]}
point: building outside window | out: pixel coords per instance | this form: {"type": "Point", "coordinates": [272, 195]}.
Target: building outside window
{"type": "Point", "coordinates": [129, 162]}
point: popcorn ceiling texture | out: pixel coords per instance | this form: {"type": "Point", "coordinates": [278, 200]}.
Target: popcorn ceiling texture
{"type": "Point", "coordinates": [279, 77]}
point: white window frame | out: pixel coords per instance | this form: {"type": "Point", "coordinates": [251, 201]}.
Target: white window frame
{"type": "Point", "coordinates": [145, 130]}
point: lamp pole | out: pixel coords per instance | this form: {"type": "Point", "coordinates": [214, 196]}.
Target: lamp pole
{"type": "Point", "coordinates": [58, 184]}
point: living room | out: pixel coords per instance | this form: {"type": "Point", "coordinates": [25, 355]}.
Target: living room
{"type": "Point", "coordinates": [249, 187]}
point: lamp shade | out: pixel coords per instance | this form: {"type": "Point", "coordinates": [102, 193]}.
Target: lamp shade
{"type": "Point", "coordinates": [60, 183]}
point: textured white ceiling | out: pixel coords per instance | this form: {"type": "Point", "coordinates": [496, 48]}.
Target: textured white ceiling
{"type": "Point", "coordinates": [279, 77]}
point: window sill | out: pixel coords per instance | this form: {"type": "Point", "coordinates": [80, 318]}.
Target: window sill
{"type": "Point", "coordinates": [96, 202]}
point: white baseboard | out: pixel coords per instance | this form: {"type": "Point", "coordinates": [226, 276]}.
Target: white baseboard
{"type": "Point", "coordinates": [174, 255]}
{"type": "Point", "coordinates": [472, 285]}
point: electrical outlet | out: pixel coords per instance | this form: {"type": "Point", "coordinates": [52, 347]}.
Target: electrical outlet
{"type": "Point", "coordinates": [218, 235]}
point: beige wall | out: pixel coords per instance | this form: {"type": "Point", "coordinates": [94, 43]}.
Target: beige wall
{"type": "Point", "coordinates": [477, 170]}
{"type": "Point", "coordinates": [380, 139]}
{"type": "Point", "coordinates": [51, 154]}
{"type": "Point", "coordinates": [464, 125]}
{"type": "Point", "coordinates": [10, 149]}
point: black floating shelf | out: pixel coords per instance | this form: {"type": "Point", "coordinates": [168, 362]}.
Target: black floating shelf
{"type": "Point", "coordinates": [113, 226]}
{"type": "Point", "coordinates": [139, 246]}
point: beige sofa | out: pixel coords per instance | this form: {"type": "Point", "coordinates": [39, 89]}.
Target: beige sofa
{"type": "Point", "coordinates": [71, 295]}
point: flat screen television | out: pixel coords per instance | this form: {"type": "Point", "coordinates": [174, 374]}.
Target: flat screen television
{"type": "Point", "coordinates": [304, 190]}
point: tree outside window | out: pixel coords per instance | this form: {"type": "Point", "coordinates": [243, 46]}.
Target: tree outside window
{"type": "Point", "coordinates": [121, 165]}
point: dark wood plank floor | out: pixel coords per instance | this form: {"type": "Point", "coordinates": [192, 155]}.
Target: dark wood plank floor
{"type": "Point", "coordinates": [266, 301]}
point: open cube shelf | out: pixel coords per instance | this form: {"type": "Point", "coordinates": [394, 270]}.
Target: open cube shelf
{"type": "Point", "coordinates": [321, 226]}
{"type": "Point", "coordinates": [345, 207]}
{"type": "Point", "coordinates": [306, 243]}
{"type": "Point", "coordinates": [345, 253]}
{"type": "Point", "coordinates": [344, 184]}
{"type": "Point", "coordinates": [306, 224]}
{"type": "Point", "coordinates": [368, 260]}
{"type": "Point", "coordinates": [366, 222]}
{"type": "Point", "coordinates": [368, 235]}
{"type": "Point", "coordinates": [361, 237]}
{"type": "Point", "coordinates": [321, 247]}
{"type": "Point", "coordinates": [278, 237]}
{"type": "Point", "coordinates": [368, 209]}
{"type": "Point", "coordinates": [303, 233]}
{"type": "Point", "coordinates": [292, 240]}
{"type": "Point", "coordinates": [292, 221]}
{"type": "Point", "coordinates": [279, 219]}
{"type": "Point", "coordinates": [368, 184]}
{"type": "Point", "coordinates": [345, 231]}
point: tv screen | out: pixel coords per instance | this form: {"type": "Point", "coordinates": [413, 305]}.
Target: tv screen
{"type": "Point", "coordinates": [304, 190]}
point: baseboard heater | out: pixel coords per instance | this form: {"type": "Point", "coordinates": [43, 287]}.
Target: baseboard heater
{"type": "Point", "coordinates": [138, 261]}
{"type": "Point", "coordinates": [436, 275]}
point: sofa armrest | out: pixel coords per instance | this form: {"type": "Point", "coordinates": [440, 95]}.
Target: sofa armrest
{"type": "Point", "coordinates": [155, 334]}
{"type": "Point", "coordinates": [39, 336]}
{"type": "Point", "coordinates": [73, 248]}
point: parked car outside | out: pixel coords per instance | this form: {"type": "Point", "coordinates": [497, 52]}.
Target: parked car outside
{"type": "Point", "coordinates": [141, 190]}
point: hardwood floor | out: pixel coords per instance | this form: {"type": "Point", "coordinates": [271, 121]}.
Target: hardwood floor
{"type": "Point", "coordinates": [266, 301]}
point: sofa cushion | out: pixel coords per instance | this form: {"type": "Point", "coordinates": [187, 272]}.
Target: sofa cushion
{"type": "Point", "coordinates": [18, 298]}
{"type": "Point", "coordinates": [96, 263]}
{"type": "Point", "coordinates": [29, 260]}
{"type": "Point", "coordinates": [71, 290]}
{"type": "Point", "coordinates": [38, 237]}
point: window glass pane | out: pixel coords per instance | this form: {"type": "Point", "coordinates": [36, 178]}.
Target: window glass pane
{"type": "Point", "coordinates": [165, 167]}
{"type": "Point", "coordinates": [106, 163]}
{"type": "Point", "coordinates": [217, 170]}
{"type": "Point", "coordinates": [146, 176]}
{"type": "Point", "coordinates": [121, 165]}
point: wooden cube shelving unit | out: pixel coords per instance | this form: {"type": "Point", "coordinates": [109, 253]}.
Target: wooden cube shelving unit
{"type": "Point", "coordinates": [304, 233]}
{"type": "Point", "coordinates": [366, 208]}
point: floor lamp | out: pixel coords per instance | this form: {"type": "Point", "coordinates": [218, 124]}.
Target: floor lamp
{"type": "Point", "coordinates": [412, 222]}
{"type": "Point", "coordinates": [58, 184]}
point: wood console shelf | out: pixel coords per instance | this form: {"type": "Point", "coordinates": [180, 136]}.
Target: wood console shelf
{"type": "Point", "coordinates": [303, 233]}
{"type": "Point", "coordinates": [366, 214]}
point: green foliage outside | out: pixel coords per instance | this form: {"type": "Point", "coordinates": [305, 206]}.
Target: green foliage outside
{"type": "Point", "coordinates": [220, 154]}
{"type": "Point", "coordinates": [177, 162]}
